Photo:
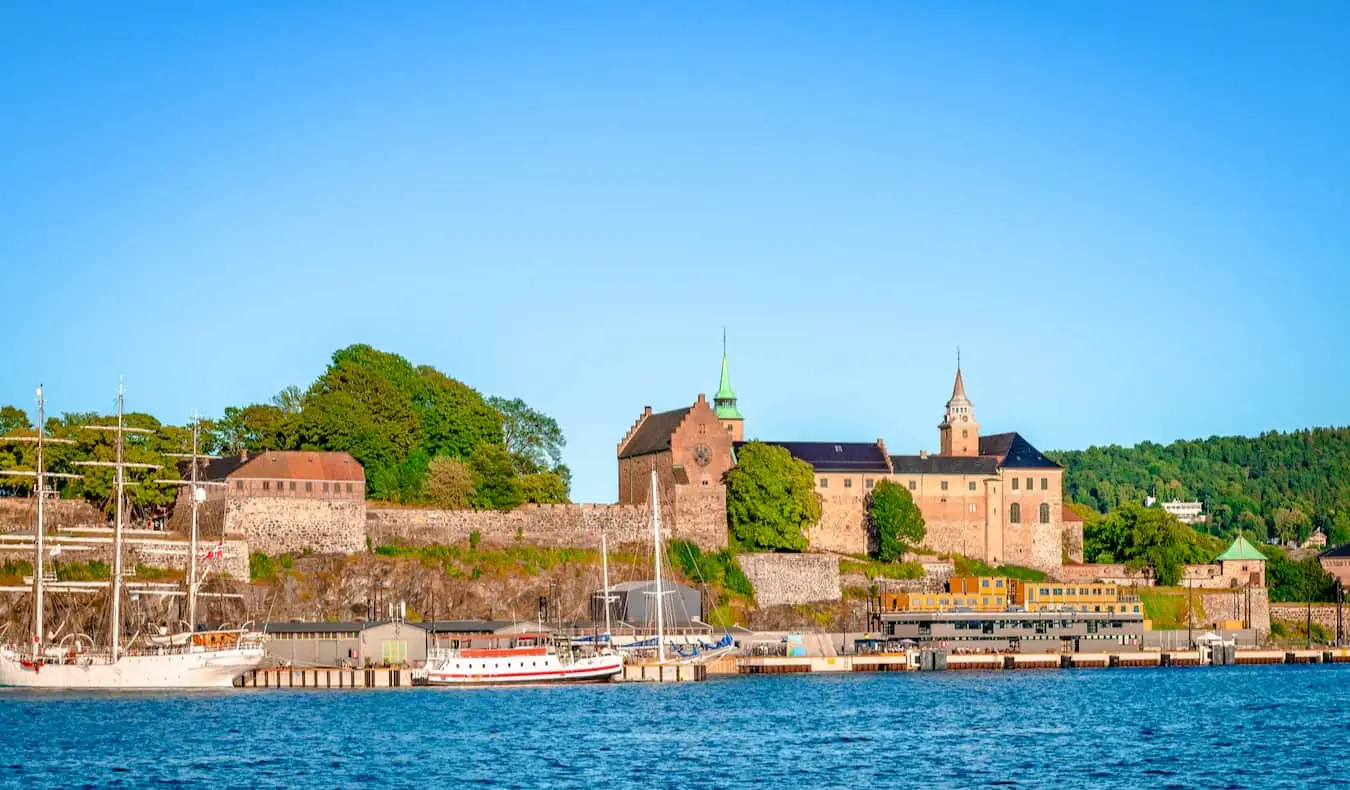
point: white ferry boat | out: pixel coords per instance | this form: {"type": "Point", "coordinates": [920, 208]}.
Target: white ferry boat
{"type": "Point", "coordinates": [526, 658]}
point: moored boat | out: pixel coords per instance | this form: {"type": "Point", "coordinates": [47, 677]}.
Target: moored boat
{"type": "Point", "coordinates": [525, 658]}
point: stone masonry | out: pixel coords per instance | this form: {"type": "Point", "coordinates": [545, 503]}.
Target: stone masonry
{"type": "Point", "coordinates": [279, 525]}
{"type": "Point", "coordinates": [577, 526]}
{"type": "Point", "coordinates": [1324, 614]}
{"type": "Point", "coordinates": [171, 554]}
{"type": "Point", "coordinates": [792, 578]}
{"type": "Point", "coordinates": [20, 513]}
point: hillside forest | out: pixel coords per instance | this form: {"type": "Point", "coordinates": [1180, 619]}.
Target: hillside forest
{"type": "Point", "coordinates": [422, 437]}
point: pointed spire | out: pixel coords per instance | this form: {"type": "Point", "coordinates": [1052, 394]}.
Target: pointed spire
{"type": "Point", "coordinates": [958, 389]}
{"type": "Point", "coordinates": [725, 400]}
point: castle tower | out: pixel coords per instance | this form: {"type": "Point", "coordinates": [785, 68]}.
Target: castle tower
{"type": "Point", "coordinates": [959, 433]}
{"type": "Point", "coordinates": [724, 402]}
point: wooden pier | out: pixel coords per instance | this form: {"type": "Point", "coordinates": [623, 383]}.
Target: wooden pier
{"type": "Point", "coordinates": [326, 678]}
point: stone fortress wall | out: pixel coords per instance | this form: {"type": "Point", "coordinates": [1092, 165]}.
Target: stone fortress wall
{"type": "Point", "coordinates": [792, 578]}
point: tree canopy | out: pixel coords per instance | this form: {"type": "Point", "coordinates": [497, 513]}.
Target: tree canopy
{"type": "Point", "coordinates": [1138, 536]}
{"type": "Point", "coordinates": [1276, 485]}
{"type": "Point", "coordinates": [398, 420]}
{"type": "Point", "coordinates": [895, 519]}
{"type": "Point", "coordinates": [771, 499]}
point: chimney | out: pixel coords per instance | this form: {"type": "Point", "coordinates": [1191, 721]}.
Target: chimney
{"type": "Point", "coordinates": [646, 411]}
{"type": "Point", "coordinates": [923, 454]}
{"type": "Point", "coordinates": [243, 454]}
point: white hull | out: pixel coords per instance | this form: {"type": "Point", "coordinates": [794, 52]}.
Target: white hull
{"type": "Point", "coordinates": [521, 669]}
{"type": "Point", "coordinates": [197, 670]}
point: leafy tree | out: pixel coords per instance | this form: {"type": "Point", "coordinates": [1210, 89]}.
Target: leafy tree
{"type": "Point", "coordinates": [543, 488]}
{"type": "Point", "coordinates": [454, 418]}
{"type": "Point", "coordinates": [1339, 533]}
{"type": "Point", "coordinates": [895, 518]}
{"type": "Point", "coordinates": [98, 484]}
{"type": "Point", "coordinates": [253, 428]}
{"type": "Point", "coordinates": [1297, 580]}
{"type": "Point", "coordinates": [771, 499]}
{"type": "Point", "coordinates": [13, 419]}
{"type": "Point", "coordinates": [495, 475]}
{"type": "Point", "coordinates": [449, 483]}
{"type": "Point", "coordinates": [1139, 537]}
{"type": "Point", "coordinates": [533, 438]}
{"type": "Point", "coordinates": [289, 401]}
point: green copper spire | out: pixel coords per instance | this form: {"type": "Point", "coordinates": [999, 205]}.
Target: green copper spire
{"type": "Point", "coordinates": [724, 402]}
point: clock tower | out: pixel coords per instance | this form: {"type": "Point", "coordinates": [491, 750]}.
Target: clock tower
{"type": "Point", "coordinates": [959, 433]}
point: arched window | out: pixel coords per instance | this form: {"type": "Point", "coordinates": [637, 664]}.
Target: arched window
{"type": "Point", "coordinates": [1015, 513]}
{"type": "Point", "coordinates": [1045, 513]}
{"type": "Point", "coordinates": [965, 434]}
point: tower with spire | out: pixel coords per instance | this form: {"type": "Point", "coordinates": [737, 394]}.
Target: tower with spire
{"type": "Point", "coordinates": [724, 402]}
{"type": "Point", "coordinates": [959, 433]}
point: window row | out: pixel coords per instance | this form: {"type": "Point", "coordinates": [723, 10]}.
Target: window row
{"type": "Point", "coordinates": [289, 485]}
{"type": "Point", "coordinates": [1031, 483]}
{"type": "Point", "coordinates": [1015, 513]}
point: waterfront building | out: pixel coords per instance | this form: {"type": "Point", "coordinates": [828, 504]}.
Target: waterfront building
{"type": "Point", "coordinates": [633, 604]}
{"type": "Point", "coordinates": [1027, 632]}
{"type": "Point", "coordinates": [1051, 596]}
{"type": "Point", "coordinates": [354, 644]}
{"type": "Point", "coordinates": [1240, 565]}
{"type": "Point", "coordinates": [979, 594]}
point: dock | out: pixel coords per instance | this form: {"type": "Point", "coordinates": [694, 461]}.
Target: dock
{"type": "Point", "coordinates": [939, 661]}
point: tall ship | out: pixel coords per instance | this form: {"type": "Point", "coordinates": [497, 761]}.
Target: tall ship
{"type": "Point", "coordinates": [189, 660]}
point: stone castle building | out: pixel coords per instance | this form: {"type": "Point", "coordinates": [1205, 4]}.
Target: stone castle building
{"type": "Point", "coordinates": [995, 498]}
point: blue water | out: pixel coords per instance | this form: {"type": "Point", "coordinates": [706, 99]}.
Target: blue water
{"type": "Point", "coordinates": [1228, 727]}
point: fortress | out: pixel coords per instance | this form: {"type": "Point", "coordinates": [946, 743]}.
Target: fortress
{"type": "Point", "coordinates": [995, 498]}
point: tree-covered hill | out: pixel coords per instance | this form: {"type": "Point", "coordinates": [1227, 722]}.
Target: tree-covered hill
{"type": "Point", "coordinates": [1274, 485]}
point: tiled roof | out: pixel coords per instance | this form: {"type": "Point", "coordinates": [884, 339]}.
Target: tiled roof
{"type": "Point", "coordinates": [1069, 515]}
{"type": "Point", "coordinates": [1015, 452]}
{"type": "Point", "coordinates": [1342, 550]}
{"type": "Point", "coordinates": [653, 436]}
{"type": "Point", "coordinates": [943, 465]}
{"type": "Point", "coordinates": [836, 456]}
{"type": "Point", "coordinates": [1240, 549]}
{"type": "Point", "coordinates": [299, 465]}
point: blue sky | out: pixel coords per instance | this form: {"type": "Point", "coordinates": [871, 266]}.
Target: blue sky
{"type": "Point", "coordinates": [1132, 217]}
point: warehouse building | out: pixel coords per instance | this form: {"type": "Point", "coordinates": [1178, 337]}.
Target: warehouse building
{"type": "Point", "coordinates": [634, 604]}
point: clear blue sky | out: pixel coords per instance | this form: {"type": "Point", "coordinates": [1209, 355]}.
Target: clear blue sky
{"type": "Point", "coordinates": [1134, 218]}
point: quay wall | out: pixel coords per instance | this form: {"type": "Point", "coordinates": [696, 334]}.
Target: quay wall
{"type": "Point", "coordinates": [792, 578]}
{"type": "Point", "coordinates": [1324, 614]}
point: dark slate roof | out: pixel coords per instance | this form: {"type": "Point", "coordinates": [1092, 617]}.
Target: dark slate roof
{"type": "Point", "coordinates": [944, 465]}
{"type": "Point", "coordinates": [1340, 551]}
{"type": "Point", "coordinates": [212, 469]}
{"type": "Point", "coordinates": [311, 628]}
{"type": "Point", "coordinates": [653, 436]}
{"type": "Point", "coordinates": [1015, 452]}
{"type": "Point", "coordinates": [464, 626]}
{"type": "Point", "coordinates": [835, 456]}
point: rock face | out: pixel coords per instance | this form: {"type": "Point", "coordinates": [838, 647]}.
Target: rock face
{"type": "Point", "coordinates": [792, 578]}
{"type": "Point", "coordinates": [279, 526]}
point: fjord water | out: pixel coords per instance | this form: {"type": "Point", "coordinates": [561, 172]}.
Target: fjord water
{"type": "Point", "coordinates": [1212, 727]}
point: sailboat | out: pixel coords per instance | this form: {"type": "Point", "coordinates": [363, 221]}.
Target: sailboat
{"type": "Point", "coordinates": [76, 663]}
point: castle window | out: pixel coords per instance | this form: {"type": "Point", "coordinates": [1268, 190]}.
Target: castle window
{"type": "Point", "coordinates": [1015, 481]}
{"type": "Point", "coordinates": [971, 485]}
{"type": "Point", "coordinates": [292, 485]}
{"type": "Point", "coordinates": [1045, 484]}
{"type": "Point", "coordinates": [1015, 513]}
{"type": "Point", "coordinates": [913, 485]}
{"type": "Point", "coordinates": [349, 487]}
{"type": "Point", "coordinates": [309, 486]}
{"type": "Point", "coordinates": [944, 485]}
{"type": "Point", "coordinates": [965, 434]}
{"type": "Point", "coordinates": [325, 488]}
{"type": "Point", "coordinates": [239, 485]}
{"type": "Point", "coordinates": [848, 482]}
{"type": "Point", "coordinates": [705, 483]}
{"type": "Point", "coordinates": [868, 482]}
{"type": "Point", "coordinates": [266, 485]}
{"type": "Point", "coordinates": [972, 507]}
{"type": "Point", "coordinates": [1045, 513]}
{"type": "Point", "coordinates": [1030, 483]}
{"type": "Point", "coordinates": [824, 482]}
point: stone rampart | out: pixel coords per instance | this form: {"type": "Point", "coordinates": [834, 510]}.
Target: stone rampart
{"type": "Point", "coordinates": [701, 515]}
{"type": "Point", "coordinates": [278, 526]}
{"type": "Point", "coordinates": [792, 578]}
{"type": "Point", "coordinates": [1324, 614]}
{"type": "Point", "coordinates": [1110, 574]}
{"type": "Point", "coordinates": [20, 513]}
{"type": "Point", "coordinates": [1240, 604]}
{"type": "Point", "coordinates": [542, 525]}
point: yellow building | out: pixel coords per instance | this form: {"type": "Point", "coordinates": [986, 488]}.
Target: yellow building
{"type": "Point", "coordinates": [977, 594]}
{"type": "Point", "coordinates": [1060, 597]}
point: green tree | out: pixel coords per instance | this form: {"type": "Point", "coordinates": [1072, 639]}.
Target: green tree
{"type": "Point", "coordinates": [543, 488]}
{"type": "Point", "coordinates": [771, 499]}
{"type": "Point", "coordinates": [290, 401]}
{"type": "Point", "coordinates": [1297, 581]}
{"type": "Point", "coordinates": [533, 438]}
{"type": "Point", "coordinates": [449, 483]}
{"type": "Point", "coordinates": [495, 475]}
{"type": "Point", "coordinates": [895, 519]}
{"type": "Point", "coordinates": [1152, 537]}
{"type": "Point", "coordinates": [253, 428]}
{"type": "Point", "coordinates": [13, 419]}
{"type": "Point", "coordinates": [1339, 533]}
{"type": "Point", "coordinates": [453, 417]}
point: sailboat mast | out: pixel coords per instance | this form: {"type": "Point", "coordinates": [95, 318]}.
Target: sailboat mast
{"type": "Point", "coordinates": [115, 640]}
{"type": "Point", "coordinates": [192, 551]}
{"type": "Point", "coordinates": [38, 570]}
{"type": "Point", "coordinates": [604, 572]}
{"type": "Point", "coordinates": [656, 555]}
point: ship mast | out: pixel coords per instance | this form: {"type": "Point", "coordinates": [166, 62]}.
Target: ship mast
{"type": "Point", "coordinates": [120, 465]}
{"type": "Point", "coordinates": [198, 495]}
{"type": "Point", "coordinates": [39, 537]}
{"type": "Point", "coordinates": [604, 572]}
{"type": "Point", "coordinates": [656, 558]}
